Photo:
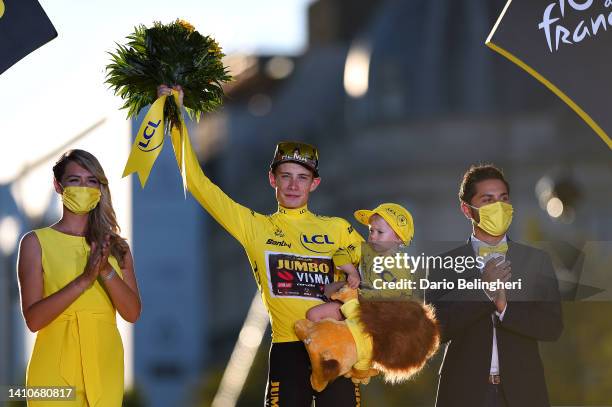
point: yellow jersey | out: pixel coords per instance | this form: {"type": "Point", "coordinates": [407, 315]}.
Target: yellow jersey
{"type": "Point", "coordinates": [290, 251]}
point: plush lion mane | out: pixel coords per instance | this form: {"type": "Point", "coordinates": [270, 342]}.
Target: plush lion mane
{"type": "Point", "coordinates": [405, 334]}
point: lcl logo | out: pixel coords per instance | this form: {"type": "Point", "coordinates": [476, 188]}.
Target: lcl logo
{"type": "Point", "coordinates": [147, 134]}
{"type": "Point", "coordinates": [312, 243]}
{"type": "Point", "coordinates": [317, 239]}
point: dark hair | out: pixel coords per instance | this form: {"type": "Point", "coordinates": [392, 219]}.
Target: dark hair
{"type": "Point", "coordinates": [476, 174]}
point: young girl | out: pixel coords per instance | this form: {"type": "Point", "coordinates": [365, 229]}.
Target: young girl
{"type": "Point", "coordinates": [390, 226]}
{"type": "Point", "coordinates": [73, 276]}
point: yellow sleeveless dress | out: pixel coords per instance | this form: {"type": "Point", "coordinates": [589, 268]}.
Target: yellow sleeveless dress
{"type": "Point", "coordinates": [82, 346]}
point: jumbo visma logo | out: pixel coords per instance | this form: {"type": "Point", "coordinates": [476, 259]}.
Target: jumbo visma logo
{"type": "Point", "coordinates": [301, 265]}
{"type": "Point", "coordinates": [316, 243]}
{"type": "Point", "coordinates": [1, 8]}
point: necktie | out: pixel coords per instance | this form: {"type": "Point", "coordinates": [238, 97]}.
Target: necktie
{"type": "Point", "coordinates": [501, 248]}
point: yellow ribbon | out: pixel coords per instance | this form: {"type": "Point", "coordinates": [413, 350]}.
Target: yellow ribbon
{"type": "Point", "coordinates": [186, 158]}
{"type": "Point", "coordinates": [142, 161]}
{"type": "Point", "coordinates": [149, 140]}
{"type": "Point", "coordinates": [81, 339]}
{"type": "Point", "coordinates": [501, 248]}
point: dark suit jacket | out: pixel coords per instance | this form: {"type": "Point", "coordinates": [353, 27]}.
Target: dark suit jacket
{"type": "Point", "coordinates": [532, 314]}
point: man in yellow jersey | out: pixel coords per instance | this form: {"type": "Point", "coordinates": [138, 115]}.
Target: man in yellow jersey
{"type": "Point", "coordinates": [290, 252]}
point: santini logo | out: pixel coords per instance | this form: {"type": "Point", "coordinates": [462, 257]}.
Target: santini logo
{"type": "Point", "coordinates": [314, 243]}
{"type": "Point", "coordinates": [281, 243]}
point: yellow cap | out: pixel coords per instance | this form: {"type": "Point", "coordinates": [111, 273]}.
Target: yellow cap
{"type": "Point", "coordinates": [395, 215]}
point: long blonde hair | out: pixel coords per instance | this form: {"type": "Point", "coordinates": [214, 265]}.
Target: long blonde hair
{"type": "Point", "coordinates": [102, 219]}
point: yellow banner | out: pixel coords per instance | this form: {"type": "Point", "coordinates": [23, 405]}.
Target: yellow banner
{"type": "Point", "coordinates": [148, 142]}
{"type": "Point", "coordinates": [186, 158]}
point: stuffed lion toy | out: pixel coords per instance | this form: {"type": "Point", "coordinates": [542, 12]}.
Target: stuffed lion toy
{"type": "Point", "coordinates": [394, 338]}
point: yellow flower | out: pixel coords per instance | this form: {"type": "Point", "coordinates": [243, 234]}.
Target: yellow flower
{"type": "Point", "coordinates": [186, 25]}
{"type": "Point", "coordinates": [215, 49]}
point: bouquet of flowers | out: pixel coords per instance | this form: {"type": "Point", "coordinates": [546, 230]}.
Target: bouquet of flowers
{"type": "Point", "coordinates": [171, 54]}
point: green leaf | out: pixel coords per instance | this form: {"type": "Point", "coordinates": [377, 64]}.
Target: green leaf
{"type": "Point", "coordinates": [171, 54]}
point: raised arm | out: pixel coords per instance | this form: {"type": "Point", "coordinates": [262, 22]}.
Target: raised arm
{"type": "Point", "coordinates": [238, 220]}
{"type": "Point", "coordinates": [37, 311]}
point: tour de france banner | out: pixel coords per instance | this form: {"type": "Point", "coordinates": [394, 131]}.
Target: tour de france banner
{"type": "Point", "coordinates": [179, 57]}
{"type": "Point", "coordinates": [566, 45]}
{"type": "Point", "coordinates": [24, 27]}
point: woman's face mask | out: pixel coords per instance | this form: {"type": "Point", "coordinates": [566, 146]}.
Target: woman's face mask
{"type": "Point", "coordinates": [80, 200]}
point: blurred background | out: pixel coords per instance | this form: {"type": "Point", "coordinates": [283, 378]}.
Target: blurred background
{"type": "Point", "coordinates": [401, 97]}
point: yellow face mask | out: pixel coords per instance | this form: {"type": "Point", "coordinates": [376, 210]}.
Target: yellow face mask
{"type": "Point", "coordinates": [80, 200]}
{"type": "Point", "coordinates": [495, 218]}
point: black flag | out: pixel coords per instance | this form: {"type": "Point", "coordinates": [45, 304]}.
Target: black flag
{"type": "Point", "coordinates": [24, 26]}
{"type": "Point", "coordinates": [565, 44]}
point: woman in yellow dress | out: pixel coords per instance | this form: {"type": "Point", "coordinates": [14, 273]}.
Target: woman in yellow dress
{"type": "Point", "coordinates": [73, 276]}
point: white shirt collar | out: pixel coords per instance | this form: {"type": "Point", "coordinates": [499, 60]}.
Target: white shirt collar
{"type": "Point", "coordinates": [477, 243]}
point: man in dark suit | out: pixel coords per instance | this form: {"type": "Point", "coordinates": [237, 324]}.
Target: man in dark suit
{"type": "Point", "coordinates": [491, 357]}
